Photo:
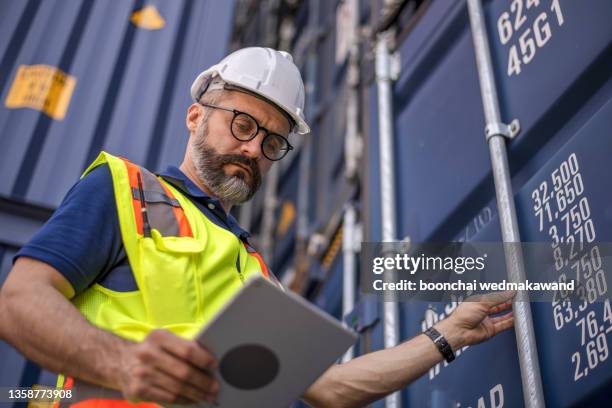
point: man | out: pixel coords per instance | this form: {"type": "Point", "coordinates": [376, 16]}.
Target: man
{"type": "Point", "coordinates": [113, 288]}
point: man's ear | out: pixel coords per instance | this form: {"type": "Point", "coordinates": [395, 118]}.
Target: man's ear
{"type": "Point", "coordinates": [194, 115]}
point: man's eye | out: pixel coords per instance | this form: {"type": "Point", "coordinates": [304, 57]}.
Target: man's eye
{"type": "Point", "coordinates": [244, 125]}
{"type": "Point", "coordinates": [274, 144]}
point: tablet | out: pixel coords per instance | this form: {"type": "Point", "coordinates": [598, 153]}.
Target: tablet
{"type": "Point", "coordinates": [271, 345]}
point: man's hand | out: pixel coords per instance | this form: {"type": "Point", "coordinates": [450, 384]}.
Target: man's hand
{"type": "Point", "coordinates": [471, 322]}
{"type": "Point", "coordinates": [167, 368]}
{"type": "Point", "coordinates": [37, 318]}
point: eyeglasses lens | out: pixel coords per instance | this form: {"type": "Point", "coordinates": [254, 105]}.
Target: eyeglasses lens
{"type": "Point", "coordinates": [274, 147]}
{"type": "Point", "coordinates": [244, 127]}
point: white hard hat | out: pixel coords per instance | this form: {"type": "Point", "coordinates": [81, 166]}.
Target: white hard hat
{"type": "Point", "coordinates": [266, 72]}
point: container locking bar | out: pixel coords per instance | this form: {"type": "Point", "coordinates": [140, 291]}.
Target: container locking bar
{"type": "Point", "coordinates": [385, 73]}
{"type": "Point", "coordinates": [525, 335]}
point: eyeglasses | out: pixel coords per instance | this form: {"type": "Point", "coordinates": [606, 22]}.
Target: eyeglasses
{"type": "Point", "coordinates": [244, 127]}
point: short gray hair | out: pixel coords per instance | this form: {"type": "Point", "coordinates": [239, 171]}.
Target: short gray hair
{"type": "Point", "coordinates": [212, 95]}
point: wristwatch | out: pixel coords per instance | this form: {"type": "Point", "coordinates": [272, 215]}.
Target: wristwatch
{"type": "Point", "coordinates": [441, 343]}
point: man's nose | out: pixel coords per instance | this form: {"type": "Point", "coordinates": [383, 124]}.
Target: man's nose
{"type": "Point", "coordinates": [252, 148]}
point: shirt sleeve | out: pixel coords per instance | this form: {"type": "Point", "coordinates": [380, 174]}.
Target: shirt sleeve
{"type": "Point", "coordinates": [82, 239]}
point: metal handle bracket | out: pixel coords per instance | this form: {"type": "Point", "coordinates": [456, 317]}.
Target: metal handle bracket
{"type": "Point", "coordinates": [501, 129]}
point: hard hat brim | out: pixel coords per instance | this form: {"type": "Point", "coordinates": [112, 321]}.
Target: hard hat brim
{"type": "Point", "coordinates": [201, 83]}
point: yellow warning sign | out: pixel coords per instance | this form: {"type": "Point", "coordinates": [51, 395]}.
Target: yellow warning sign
{"type": "Point", "coordinates": [287, 216]}
{"type": "Point", "coordinates": [148, 18]}
{"type": "Point", "coordinates": [41, 87]}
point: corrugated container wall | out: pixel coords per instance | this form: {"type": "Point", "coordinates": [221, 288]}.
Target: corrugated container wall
{"type": "Point", "coordinates": [553, 65]}
{"type": "Point", "coordinates": [552, 62]}
{"type": "Point", "coordinates": [80, 76]}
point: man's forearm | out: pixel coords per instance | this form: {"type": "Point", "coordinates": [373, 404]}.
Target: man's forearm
{"type": "Point", "coordinates": [372, 376]}
{"type": "Point", "coordinates": [49, 330]}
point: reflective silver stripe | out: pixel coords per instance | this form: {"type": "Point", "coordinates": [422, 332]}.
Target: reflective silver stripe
{"type": "Point", "coordinates": [155, 197]}
{"type": "Point", "coordinates": [159, 205]}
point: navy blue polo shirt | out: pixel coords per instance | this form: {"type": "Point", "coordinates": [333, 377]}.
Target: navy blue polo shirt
{"type": "Point", "coordinates": [82, 239]}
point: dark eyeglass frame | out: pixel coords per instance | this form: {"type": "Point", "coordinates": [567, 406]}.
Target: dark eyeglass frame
{"type": "Point", "coordinates": [259, 128]}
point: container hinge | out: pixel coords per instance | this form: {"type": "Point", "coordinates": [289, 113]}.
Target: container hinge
{"type": "Point", "coordinates": [502, 129]}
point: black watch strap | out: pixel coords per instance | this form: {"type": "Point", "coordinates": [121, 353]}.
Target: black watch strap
{"type": "Point", "coordinates": [441, 343]}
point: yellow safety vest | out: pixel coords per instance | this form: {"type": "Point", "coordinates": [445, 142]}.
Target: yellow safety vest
{"type": "Point", "coordinates": [186, 267]}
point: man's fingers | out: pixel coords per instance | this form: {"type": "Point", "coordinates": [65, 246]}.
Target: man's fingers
{"type": "Point", "coordinates": [178, 366]}
{"type": "Point", "coordinates": [184, 349]}
{"type": "Point", "coordinates": [180, 390]}
{"type": "Point", "coordinates": [504, 324]}
{"type": "Point", "coordinates": [501, 318]}
{"type": "Point", "coordinates": [496, 298]}
{"type": "Point", "coordinates": [184, 371]}
{"type": "Point", "coordinates": [501, 323]}
{"type": "Point", "coordinates": [187, 350]}
{"type": "Point", "coordinates": [500, 308]}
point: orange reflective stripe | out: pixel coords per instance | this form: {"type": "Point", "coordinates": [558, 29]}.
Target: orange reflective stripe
{"type": "Point", "coordinates": [133, 171]}
{"type": "Point", "coordinates": [170, 220]}
{"type": "Point", "coordinates": [89, 400]}
{"type": "Point", "coordinates": [108, 403]}
{"type": "Point", "coordinates": [262, 264]}
{"type": "Point", "coordinates": [184, 227]}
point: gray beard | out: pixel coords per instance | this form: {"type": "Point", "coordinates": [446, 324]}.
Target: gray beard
{"type": "Point", "coordinates": [209, 165]}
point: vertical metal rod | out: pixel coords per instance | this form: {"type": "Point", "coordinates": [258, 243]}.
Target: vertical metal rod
{"type": "Point", "coordinates": [305, 168]}
{"type": "Point", "coordinates": [525, 336]}
{"type": "Point", "coordinates": [352, 141]}
{"type": "Point", "coordinates": [348, 281]}
{"type": "Point", "coordinates": [269, 208]}
{"type": "Point", "coordinates": [245, 216]}
{"type": "Point", "coordinates": [387, 182]}
{"type": "Point", "coordinates": [352, 154]}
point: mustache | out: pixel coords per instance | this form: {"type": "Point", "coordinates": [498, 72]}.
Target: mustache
{"type": "Point", "coordinates": [210, 166]}
{"type": "Point", "coordinates": [251, 164]}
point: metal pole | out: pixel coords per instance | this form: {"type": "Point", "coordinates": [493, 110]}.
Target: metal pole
{"type": "Point", "coordinates": [387, 182]}
{"type": "Point", "coordinates": [304, 188]}
{"type": "Point", "coordinates": [306, 146]}
{"type": "Point", "coordinates": [525, 336]}
{"type": "Point", "coordinates": [269, 208]}
{"type": "Point", "coordinates": [353, 143]}
{"type": "Point", "coordinates": [348, 281]}
{"type": "Point", "coordinates": [352, 155]}
{"type": "Point", "coordinates": [246, 215]}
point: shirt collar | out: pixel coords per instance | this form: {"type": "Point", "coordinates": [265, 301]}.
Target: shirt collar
{"type": "Point", "coordinates": [178, 179]}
